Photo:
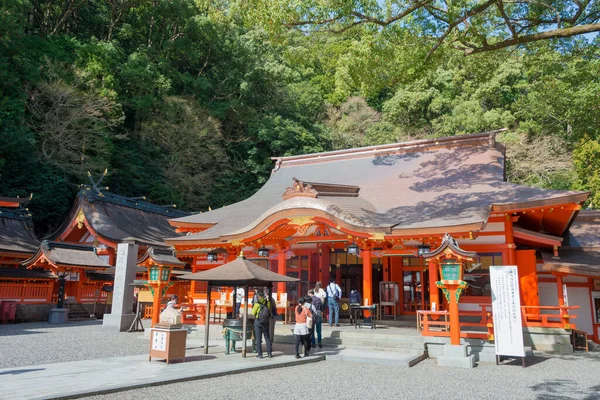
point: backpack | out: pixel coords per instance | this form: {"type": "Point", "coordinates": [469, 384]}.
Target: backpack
{"type": "Point", "coordinates": [264, 314]}
{"type": "Point", "coordinates": [334, 293]}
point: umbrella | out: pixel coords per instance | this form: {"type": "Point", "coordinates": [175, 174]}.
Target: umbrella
{"type": "Point", "coordinates": [239, 272]}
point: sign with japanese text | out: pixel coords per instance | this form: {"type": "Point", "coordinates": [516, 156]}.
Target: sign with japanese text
{"type": "Point", "coordinates": [506, 306]}
{"type": "Point", "coordinates": [159, 341]}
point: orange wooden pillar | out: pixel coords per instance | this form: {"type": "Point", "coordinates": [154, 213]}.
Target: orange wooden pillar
{"type": "Point", "coordinates": [281, 269]}
{"type": "Point", "coordinates": [454, 317]}
{"type": "Point", "coordinates": [156, 304]}
{"type": "Point", "coordinates": [510, 240]}
{"type": "Point", "coordinates": [367, 276]}
{"type": "Point", "coordinates": [433, 289]}
{"type": "Point", "coordinates": [324, 258]}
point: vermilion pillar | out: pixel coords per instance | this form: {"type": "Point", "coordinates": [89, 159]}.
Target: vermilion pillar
{"type": "Point", "coordinates": [324, 266]}
{"type": "Point", "coordinates": [433, 289]}
{"type": "Point", "coordinates": [367, 276]}
{"type": "Point", "coordinates": [510, 240]}
{"type": "Point", "coordinates": [281, 269]}
{"type": "Point", "coordinates": [156, 303]}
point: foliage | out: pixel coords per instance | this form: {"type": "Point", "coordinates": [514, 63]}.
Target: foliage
{"type": "Point", "coordinates": [186, 102]}
{"type": "Point", "coordinates": [586, 157]}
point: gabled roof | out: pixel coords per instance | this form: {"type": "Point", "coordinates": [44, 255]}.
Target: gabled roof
{"type": "Point", "coordinates": [118, 219]}
{"type": "Point", "coordinates": [160, 257]}
{"type": "Point", "coordinates": [66, 255]}
{"type": "Point", "coordinates": [16, 229]}
{"type": "Point", "coordinates": [441, 185]}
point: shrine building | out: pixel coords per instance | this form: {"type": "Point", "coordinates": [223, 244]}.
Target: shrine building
{"type": "Point", "coordinates": [364, 216]}
{"type": "Point", "coordinates": [82, 250]}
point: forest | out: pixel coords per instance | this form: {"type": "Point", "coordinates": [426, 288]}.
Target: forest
{"type": "Point", "coordinates": [185, 101]}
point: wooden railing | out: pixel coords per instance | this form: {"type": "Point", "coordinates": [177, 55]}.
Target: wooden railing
{"type": "Point", "coordinates": [480, 324]}
{"type": "Point", "coordinates": [91, 294]}
{"type": "Point", "coordinates": [548, 316]}
{"type": "Point", "coordinates": [26, 293]}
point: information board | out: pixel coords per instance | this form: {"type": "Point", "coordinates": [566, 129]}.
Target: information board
{"type": "Point", "coordinates": [159, 341]}
{"type": "Point", "coordinates": [506, 306]}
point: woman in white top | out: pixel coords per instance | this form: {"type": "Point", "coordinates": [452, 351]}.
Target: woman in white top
{"type": "Point", "coordinates": [320, 292]}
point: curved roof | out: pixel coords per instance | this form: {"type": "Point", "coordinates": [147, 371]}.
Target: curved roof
{"type": "Point", "coordinates": [60, 254]}
{"type": "Point", "coordinates": [404, 188]}
{"type": "Point", "coordinates": [16, 232]}
{"type": "Point", "coordinates": [120, 219]}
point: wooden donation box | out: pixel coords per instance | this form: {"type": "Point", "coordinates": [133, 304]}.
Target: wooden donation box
{"type": "Point", "coordinates": [168, 344]}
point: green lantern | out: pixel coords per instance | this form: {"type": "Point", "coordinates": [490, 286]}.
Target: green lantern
{"type": "Point", "coordinates": [154, 273]}
{"type": "Point", "coordinates": [451, 270]}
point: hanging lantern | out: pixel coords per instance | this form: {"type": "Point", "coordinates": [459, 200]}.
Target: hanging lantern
{"type": "Point", "coordinates": [353, 249]}
{"type": "Point", "coordinates": [212, 256]}
{"type": "Point", "coordinates": [422, 249]}
{"type": "Point", "coordinates": [263, 252]}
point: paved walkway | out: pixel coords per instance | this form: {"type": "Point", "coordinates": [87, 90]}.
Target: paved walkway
{"type": "Point", "coordinates": [79, 378]}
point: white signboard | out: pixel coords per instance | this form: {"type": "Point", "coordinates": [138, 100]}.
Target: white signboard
{"type": "Point", "coordinates": [159, 341]}
{"type": "Point", "coordinates": [506, 306]}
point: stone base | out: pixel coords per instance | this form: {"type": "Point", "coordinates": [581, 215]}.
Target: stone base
{"type": "Point", "coordinates": [58, 316]}
{"type": "Point", "coordinates": [120, 322]}
{"type": "Point", "coordinates": [456, 356]}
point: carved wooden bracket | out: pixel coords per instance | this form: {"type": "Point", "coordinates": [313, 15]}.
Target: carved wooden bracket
{"type": "Point", "coordinates": [299, 189]}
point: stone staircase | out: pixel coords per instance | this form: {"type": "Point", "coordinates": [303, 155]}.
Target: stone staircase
{"type": "Point", "coordinates": [390, 344]}
{"type": "Point", "coordinates": [77, 312]}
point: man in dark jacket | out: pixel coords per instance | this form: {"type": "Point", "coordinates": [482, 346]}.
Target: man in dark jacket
{"type": "Point", "coordinates": [261, 324]}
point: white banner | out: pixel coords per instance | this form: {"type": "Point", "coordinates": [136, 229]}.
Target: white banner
{"type": "Point", "coordinates": [506, 306]}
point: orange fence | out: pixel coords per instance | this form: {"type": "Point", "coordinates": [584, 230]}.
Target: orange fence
{"type": "Point", "coordinates": [92, 293]}
{"type": "Point", "coordinates": [480, 324]}
{"type": "Point", "coordinates": [475, 324]}
{"type": "Point", "coordinates": [548, 316]}
{"type": "Point", "coordinates": [192, 314]}
{"type": "Point", "coordinates": [29, 293]}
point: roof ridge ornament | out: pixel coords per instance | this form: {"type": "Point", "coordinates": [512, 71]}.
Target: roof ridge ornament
{"type": "Point", "coordinates": [299, 189]}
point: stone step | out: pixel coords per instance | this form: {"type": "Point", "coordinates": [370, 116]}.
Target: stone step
{"type": "Point", "coordinates": [368, 356]}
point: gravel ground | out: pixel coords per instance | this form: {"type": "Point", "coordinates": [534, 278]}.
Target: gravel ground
{"type": "Point", "coordinates": [548, 377]}
{"type": "Point", "coordinates": [41, 343]}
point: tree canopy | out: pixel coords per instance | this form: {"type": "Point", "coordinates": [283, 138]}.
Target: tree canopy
{"type": "Point", "coordinates": [184, 101]}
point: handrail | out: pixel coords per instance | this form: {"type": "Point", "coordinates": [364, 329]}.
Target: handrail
{"type": "Point", "coordinates": [561, 318]}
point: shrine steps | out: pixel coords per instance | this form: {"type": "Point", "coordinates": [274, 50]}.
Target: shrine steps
{"type": "Point", "coordinates": [77, 312]}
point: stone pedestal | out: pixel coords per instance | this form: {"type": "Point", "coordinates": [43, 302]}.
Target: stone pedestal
{"type": "Point", "coordinates": [122, 315]}
{"type": "Point", "coordinates": [456, 356]}
{"type": "Point", "coordinates": [58, 316]}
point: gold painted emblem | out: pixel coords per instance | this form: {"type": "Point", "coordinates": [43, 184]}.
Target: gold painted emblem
{"type": "Point", "coordinates": [301, 221]}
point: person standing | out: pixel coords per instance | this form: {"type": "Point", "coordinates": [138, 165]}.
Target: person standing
{"type": "Point", "coordinates": [273, 319]}
{"type": "Point", "coordinates": [262, 315]}
{"type": "Point", "coordinates": [317, 320]}
{"type": "Point", "coordinates": [334, 293]}
{"type": "Point", "coordinates": [239, 299]}
{"type": "Point", "coordinates": [300, 329]}
{"type": "Point", "coordinates": [320, 292]}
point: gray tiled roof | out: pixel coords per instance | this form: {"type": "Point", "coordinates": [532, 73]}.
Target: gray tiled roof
{"type": "Point", "coordinates": [122, 219]}
{"type": "Point", "coordinates": [68, 254]}
{"type": "Point", "coordinates": [417, 185]}
{"type": "Point", "coordinates": [584, 232]}
{"type": "Point", "coordinates": [16, 232]}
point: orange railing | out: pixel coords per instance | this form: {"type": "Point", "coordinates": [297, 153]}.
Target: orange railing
{"type": "Point", "coordinates": [548, 316]}
{"type": "Point", "coordinates": [192, 314]}
{"type": "Point", "coordinates": [30, 293]}
{"type": "Point", "coordinates": [91, 294]}
{"type": "Point", "coordinates": [480, 324]}
{"type": "Point", "coordinates": [474, 324]}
